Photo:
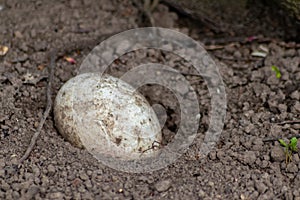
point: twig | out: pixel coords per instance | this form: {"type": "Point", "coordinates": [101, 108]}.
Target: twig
{"type": "Point", "coordinates": [289, 122]}
{"type": "Point", "coordinates": [47, 111]}
{"type": "Point", "coordinates": [188, 74]}
{"type": "Point", "coordinates": [282, 123]}
{"type": "Point", "coordinates": [153, 146]}
{"type": "Point", "coordinates": [231, 58]}
{"type": "Point", "coordinates": [232, 40]}
{"type": "Point", "coordinates": [54, 55]}
{"type": "Point", "coordinates": [276, 139]}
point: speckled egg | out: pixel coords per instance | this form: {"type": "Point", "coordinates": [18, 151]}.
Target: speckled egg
{"type": "Point", "coordinates": [105, 114]}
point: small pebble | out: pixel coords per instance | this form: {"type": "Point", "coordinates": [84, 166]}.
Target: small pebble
{"type": "Point", "coordinates": [18, 34]}
{"type": "Point", "coordinates": [295, 95]}
{"type": "Point", "coordinates": [2, 173]}
{"type": "Point", "coordinates": [249, 157]}
{"type": "Point", "coordinates": [237, 54]}
{"type": "Point", "coordinates": [163, 186]}
{"type": "Point", "coordinates": [56, 195]}
{"type": "Point", "coordinates": [261, 187]}
{"type": "Point", "coordinates": [292, 167]}
{"type": "Point", "coordinates": [296, 107]}
{"type": "Point", "coordinates": [277, 154]}
{"type": "Point", "coordinates": [32, 191]}
{"type": "Point", "coordinates": [51, 169]}
{"type": "Point", "coordinates": [83, 176]}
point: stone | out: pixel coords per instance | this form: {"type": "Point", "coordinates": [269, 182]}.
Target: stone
{"type": "Point", "coordinates": [51, 169]}
{"type": "Point", "coordinates": [83, 176]}
{"type": "Point", "coordinates": [297, 107]}
{"type": "Point", "coordinates": [2, 173]}
{"type": "Point", "coordinates": [277, 154]}
{"type": "Point", "coordinates": [261, 187]}
{"type": "Point", "coordinates": [249, 157]}
{"type": "Point", "coordinates": [56, 195]}
{"type": "Point", "coordinates": [292, 167]}
{"type": "Point", "coordinates": [163, 185]}
{"type": "Point", "coordinates": [32, 191]}
{"type": "Point", "coordinates": [295, 95]}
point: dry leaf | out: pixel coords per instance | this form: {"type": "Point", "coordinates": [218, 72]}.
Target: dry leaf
{"type": "Point", "coordinates": [3, 50]}
{"type": "Point", "coordinates": [70, 60]}
{"type": "Point", "coordinates": [214, 47]}
{"type": "Point", "coordinates": [41, 67]}
{"type": "Point", "coordinates": [251, 38]}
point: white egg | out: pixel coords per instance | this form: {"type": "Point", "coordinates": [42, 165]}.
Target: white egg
{"type": "Point", "coordinates": [106, 115]}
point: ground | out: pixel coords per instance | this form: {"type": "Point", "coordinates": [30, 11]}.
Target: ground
{"type": "Point", "coordinates": [243, 165]}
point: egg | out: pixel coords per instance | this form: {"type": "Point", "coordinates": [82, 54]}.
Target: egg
{"type": "Point", "coordinates": [106, 115]}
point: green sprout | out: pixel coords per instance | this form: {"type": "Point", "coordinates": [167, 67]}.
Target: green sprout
{"type": "Point", "coordinates": [277, 71]}
{"type": "Point", "coordinates": [289, 148]}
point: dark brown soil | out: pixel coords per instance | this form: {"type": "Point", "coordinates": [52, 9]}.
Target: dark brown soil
{"type": "Point", "coordinates": [242, 166]}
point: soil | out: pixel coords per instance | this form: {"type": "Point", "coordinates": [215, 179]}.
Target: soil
{"type": "Point", "coordinates": [243, 165]}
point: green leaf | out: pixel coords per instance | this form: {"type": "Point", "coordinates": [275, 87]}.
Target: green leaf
{"type": "Point", "coordinates": [277, 71]}
{"type": "Point", "coordinates": [282, 143]}
{"type": "Point", "coordinates": [293, 144]}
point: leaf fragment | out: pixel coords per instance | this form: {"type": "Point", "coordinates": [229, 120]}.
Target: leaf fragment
{"type": "Point", "coordinates": [3, 50]}
{"type": "Point", "coordinates": [293, 144]}
{"type": "Point", "coordinates": [41, 67]}
{"type": "Point", "coordinates": [251, 38]}
{"type": "Point", "coordinates": [70, 60]}
{"type": "Point", "coordinates": [282, 142]}
{"type": "Point", "coordinates": [277, 71]}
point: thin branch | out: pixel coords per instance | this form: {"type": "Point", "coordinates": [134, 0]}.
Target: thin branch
{"type": "Point", "coordinates": [289, 122]}
{"type": "Point", "coordinates": [276, 139]}
{"type": "Point", "coordinates": [47, 111]}
{"type": "Point", "coordinates": [58, 52]}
